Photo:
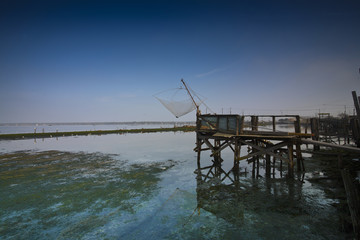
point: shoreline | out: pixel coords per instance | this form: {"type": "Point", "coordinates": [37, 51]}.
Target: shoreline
{"type": "Point", "coordinates": [19, 136]}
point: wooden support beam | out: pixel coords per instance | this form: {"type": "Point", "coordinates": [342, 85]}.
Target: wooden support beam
{"type": "Point", "coordinates": [199, 142]}
{"type": "Point", "coordinates": [213, 149]}
{"type": "Point", "coordinates": [254, 123]}
{"type": "Point", "coordinates": [262, 150]}
{"type": "Point", "coordinates": [221, 147]}
{"type": "Point", "coordinates": [209, 145]}
{"type": "Point", "coordinates": [356, 103]}
{"type": "Point", "coordinates": [314, 122]}
{"type": "Point", "coordinates": [298, 147]}
{"type": "Point", "coordinates": [274, 123]}
{"type": "Point", "coordinates": [331, 145]}
{"type": "Point", "coordinates": [267, 166]}
{"type": "Point", "coordinates": [291, 160]}
{"type": "Point", "coordinates": [237, 155]}
{"type": "Point", "coordinates": [353, 199]}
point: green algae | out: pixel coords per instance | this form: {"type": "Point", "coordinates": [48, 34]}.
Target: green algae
{"type": "Point", "coordinates": [64, 194]}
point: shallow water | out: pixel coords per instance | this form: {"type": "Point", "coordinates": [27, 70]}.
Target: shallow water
{"type": "Point", "coordinates": [147, 186]}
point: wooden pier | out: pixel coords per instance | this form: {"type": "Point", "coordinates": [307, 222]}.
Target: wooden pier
{"type": "Point", "coordinates": [217, 132]}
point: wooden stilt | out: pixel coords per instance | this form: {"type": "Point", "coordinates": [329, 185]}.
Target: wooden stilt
{"type": "Point", "coordinates": [314, 122]}
{"type": "Point", "coordinates": [198, 146]}
{"type": "Point", "coordinates": [291, 160]}
{"type": "Point", "coordinates": [257, 166]}
{"type": "Point", "coordinates": [236, 155]}
{"type": "Point", "coordinates": [253, 168]}
{"type": "Point", "coordinates": [274, 158]}
{"type": "Point", "coordinates": [274, 123]}
{"type": "Point", "coordinates": [268, 165]}
{"type": "Point", "coordinates": [298, 147]}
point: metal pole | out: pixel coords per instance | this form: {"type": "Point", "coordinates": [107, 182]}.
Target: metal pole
{"type": "Point", "coordinates": [197, 107]}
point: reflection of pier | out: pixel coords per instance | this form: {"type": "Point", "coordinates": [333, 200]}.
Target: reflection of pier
{"type": "Point", "coordinates": [224, 195]}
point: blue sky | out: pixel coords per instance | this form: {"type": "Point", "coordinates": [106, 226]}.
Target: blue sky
{"type": "Point", "coordinates": [69, 61]}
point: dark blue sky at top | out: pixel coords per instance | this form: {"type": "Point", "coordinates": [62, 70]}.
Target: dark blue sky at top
{"type": "Point", "coordinates": [103, 60]}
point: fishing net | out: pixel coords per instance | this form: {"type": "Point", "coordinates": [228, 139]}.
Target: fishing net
{"type": "Point", "coordinates": [177, 101]}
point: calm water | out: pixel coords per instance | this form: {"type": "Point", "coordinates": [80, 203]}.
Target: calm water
{"type": "Point", "coordinates": [147, 186]}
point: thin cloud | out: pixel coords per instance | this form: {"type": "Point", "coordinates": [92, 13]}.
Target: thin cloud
{"type": "Point", "coordinates": [215, 70]}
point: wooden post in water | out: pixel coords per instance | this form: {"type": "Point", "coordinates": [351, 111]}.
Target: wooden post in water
{"type": "Point", "coordinates": [274, 158]}
{"type": "Point", "coordinates": [299, 158]}
{"type": "Point", "coordinates": [217, 155]}
{"type": "Point", "coordinates": [254, 123]}
{"type": "Point", "coordinates": [198, 147]}
{"type": "Point", "coordinates": [254, 127]}
{"type": "Point", "coordinates": [274, 123]}
{"type": "Point", "coordinates": [236, 155]}
{"type": "Point", "coordinates": [268, 166]}
{"type": "Point", "coordinates": [291, 160]}
{"type": "Point", "coordinates": [356, 103]}
{"type": "Point", "coordinates": [314, 122]}
{"type": "Point", "coordinates": [353, 199]}
{"type": "Point", "coordinates": [198, 140]}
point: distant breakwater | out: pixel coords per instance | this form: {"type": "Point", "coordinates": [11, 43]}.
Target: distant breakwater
{"type": "Point", "coordinates": [16, 136]}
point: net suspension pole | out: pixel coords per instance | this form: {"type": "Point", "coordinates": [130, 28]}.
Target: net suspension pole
{"type": "Point", "coordinates": [197, 107]}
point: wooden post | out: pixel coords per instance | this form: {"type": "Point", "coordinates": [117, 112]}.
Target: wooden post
{"type": "Point", "coordinates": [273, 123]}
{"type": "Point", "coordinates": [314, 122]}
{"type": "Point", "coordinates": [253, 167]}
{"type": "Point", "coordinates": [353, 199]}
{"type": "Point", "coordinates": [217, 156]}
{"type": "Point", "coordinates": [257, 166]}
{"type": "Point", "coordinates": [299, 159]}
{"type": "Point", "coordinates": [291, 160]}
{"type": "Point", "coordinates": [274, 158]}
{"type": "Point", "coordinates": [356, 103]}
{"type": "Point", "coordinates": [268, 166]}
{"type": "Point", "coordinates": [236, 155]}
{"type": "Point", "coordinates": [198, 146]}
{"type": "Point", "coordinates": [254, 123]}
{"type": "Point", "coordinates": [198, 140]}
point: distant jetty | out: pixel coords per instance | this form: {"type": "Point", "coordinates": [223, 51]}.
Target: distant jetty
{"type": "Point", "coordinates": [16, 136]}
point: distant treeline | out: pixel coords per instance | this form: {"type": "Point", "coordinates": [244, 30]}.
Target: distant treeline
{"type": "Point", "coordinates": [99, 123]}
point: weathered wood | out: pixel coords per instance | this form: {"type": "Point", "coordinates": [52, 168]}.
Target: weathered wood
{"type": "Point", "coordinates": [216, 153]}
{"type": "Point", "coordinates": [262, 150]}
{"type": "Point", "coordinates": [291, 160]}
{"type": "Point", "coordinates": [353, 199]}
{"type": "Point", "coordinates": [254, 123]}
{"type": "Point", "coordinates": [331, 145]}
{"type": "Point", "coordinates": [209, 144]}
{"type": "Point", "coordinates": [314, 122]}
{"type": "Point", "coordinates": [267, 165]}
{"type": "Point", "coordinates": [237, 155]}
{"type": "Point", "coordinates": [297, 144]}
{"type": "Point", "coordinates": [198, 148]}
{"type": "Point", "coordinates": [221, 147]}
{"type": "Point", "coordinates": [274, 123]}
{"type": "Point", "coordinates": [356, 103]}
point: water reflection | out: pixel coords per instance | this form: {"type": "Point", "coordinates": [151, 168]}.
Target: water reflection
{"type": "Point", "coordinates": [264, 204]}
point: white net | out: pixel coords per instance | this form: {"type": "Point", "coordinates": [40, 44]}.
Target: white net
{"type": "Point", "coordinates": [177, 101]}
